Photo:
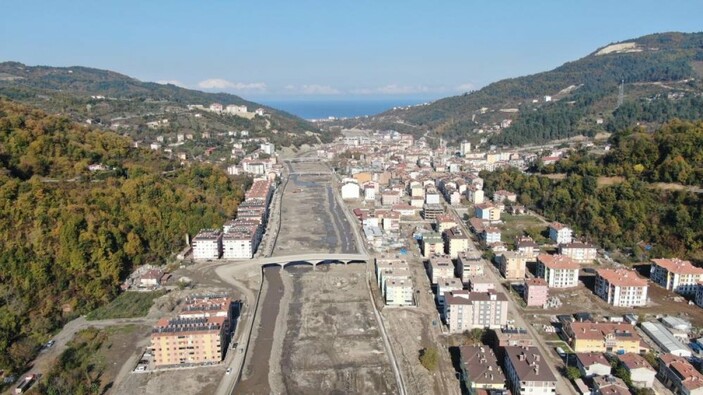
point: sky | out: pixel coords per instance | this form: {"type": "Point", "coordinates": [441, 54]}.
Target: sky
{"type": "Point", "coordinates": [332, 50]}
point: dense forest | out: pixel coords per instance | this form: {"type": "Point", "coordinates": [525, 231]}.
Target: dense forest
{"type": "Point", "coordinates": [657, 110]}
{"type": "Point", "coordinates": [68, 236]}
{"type": "Point", "coordinates": [628, 214]}
{"type": "Point", "coordinates": [672, 154]}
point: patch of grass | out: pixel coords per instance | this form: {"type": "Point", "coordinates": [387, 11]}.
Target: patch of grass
{"type": "Point", "coordinates": [127, 305]}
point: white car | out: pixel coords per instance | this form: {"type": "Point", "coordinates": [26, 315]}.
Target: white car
{"type": "Point", "coordinates": [229, 371]}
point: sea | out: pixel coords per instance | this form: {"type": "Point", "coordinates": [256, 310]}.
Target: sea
{"type": "Point", "coordinates": [323, 109]}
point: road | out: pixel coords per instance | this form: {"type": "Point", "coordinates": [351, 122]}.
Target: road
{"type": "Point", "coordinates": [42, 363]}
{"type": "Point", "coordinates": [563, 386]}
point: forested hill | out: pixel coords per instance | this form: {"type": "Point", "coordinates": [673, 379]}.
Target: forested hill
{"type": "Point", "coordinates": [68, 235]}
{"type": "Point", "coordinates": [666, 67]}
{"type": "Point", "coordinates": [126, 104]}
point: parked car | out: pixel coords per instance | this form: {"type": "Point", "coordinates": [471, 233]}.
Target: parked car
{"type": "Point", "coordinates": [229, 371]}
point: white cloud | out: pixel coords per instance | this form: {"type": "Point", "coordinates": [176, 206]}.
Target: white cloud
{"type": "Point", "coordinates": [466, 87]}
{"type": "Point", "coordinates": [316, 89]}
{"type": "Point", "coordinates": [172, 82]}
{"type": "Point", "coordinates": [218, 83]}
{"type": "Point", "coordinates": [393, 89]}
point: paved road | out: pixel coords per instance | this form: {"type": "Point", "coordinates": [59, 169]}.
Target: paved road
{"type": "Point", "coordinates": [564, 387]}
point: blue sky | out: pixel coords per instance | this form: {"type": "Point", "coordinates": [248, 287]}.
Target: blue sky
{"type": "Point", "coordinates": [328, 49]}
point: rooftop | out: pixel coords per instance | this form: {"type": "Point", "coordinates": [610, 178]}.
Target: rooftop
{"type": "Point", "coordinates": [599, 330]}
{"type": "Point", "coordinates": [622, 277]}
{"type": "Point", "coordinates": [675, 265]}
{"type": "Point", "coordinates": [689, 376]}
{"type": "Point", "coordinates": [481, 365]}
{"type": "Point", "coordinates": [558, 262]}
{"type": "Point", "coordinates": [558, 226]}
{"type": "Point", "coordinates": [529, 364]}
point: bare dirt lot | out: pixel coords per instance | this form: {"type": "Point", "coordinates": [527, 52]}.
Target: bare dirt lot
{"type": "Point", "coordinates": [332, 344]}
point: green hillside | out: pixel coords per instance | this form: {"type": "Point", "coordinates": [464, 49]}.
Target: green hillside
{"type": "Point", "coordinates": [665, 66]}
{"type": "Point", "coordinates": [126, 105]}
{"type": "Point", "coordinates": [69, 236]}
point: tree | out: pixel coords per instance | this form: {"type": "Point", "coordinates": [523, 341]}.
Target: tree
{"type": "Point", "coordinates": [573, 373]}
{"type": "Point", "coordinates": [429, 358]}
{"type": "Point", "coordinates": [474, 336]}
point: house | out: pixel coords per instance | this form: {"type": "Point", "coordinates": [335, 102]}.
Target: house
{"type": "Point", "coordinates": [609, 385]}
{"type": "Point", "coordinates": [603, 337]}
{"type": "Point", "coordinates": [479, 368]}
{"type": "Point", "coordinates": [487, 212]}
{"type": "Point", "coordinates": [641, 372]}
{"type": "Point", "coordinates": [528, 372]}
{"type": "Point", "coordinates": [432, 244]}
{"type": "Point", "coordinates": [536, 292]}
{"type": "Point", "coordinates": [455, 241]}
{"type": "Point", "coordinates": [560, 233]}
{"type": "Point", "coordinates": [512, 265]}
{"type": "Point", "coordinates": [469, 263]}
{"type": "Point", "coordinates": [440, 267]}
{"type": "Point", "coordinates": [466, 310]}
{"type": "Point", "coordinates": [350, 190]}
{"type": "Point", "coordinates": [592, 363]}
{"type": "Point", "coordinates": [444, 222]}
{"type": "Point", "coordinates": [677, 374]}
{"type": "Point", "coordinates": [445, 285]}
{"type": "Point", "coordinates": [527, 246]}
{"type": "Point", "coordinates": [207, 244]}
{"type": "Point", "coordinates": [502, 195]}
{"type": "Point", "coordinates": [390, 198]}
{"type": "Point", "coordinates": [490, 234]}
{"type": "Point", "coordinates": [578, 251]}
{"type": "Point", "coordinates": [621, 287]}
{"type": "Point", "coordinates": [676, 275]}
{"type": "Point", "coordinates": [560, 271]}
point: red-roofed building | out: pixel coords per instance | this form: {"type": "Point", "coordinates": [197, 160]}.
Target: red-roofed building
{"type": "Point", "coordinates": [679, 375]}
{"type": "Point", "coordinates": [621, 287]}
{"type": "Point", "coordinates": [558, 270]}
{"type": "Point", "coordinates": [676, 275]}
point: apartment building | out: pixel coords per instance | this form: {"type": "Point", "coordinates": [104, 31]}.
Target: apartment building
{"type": "Point", "coordinates": [528, 372]}
{"type": "Point", "coordinates": [188, 341]}
{"type": "Point", "coordinates": [487, 212]}
{"type": "Point", "coordinates": [536, 292]}
{"type": "Point", "coordinates": [444, 223]}
{"type": "Point", "coordinates": [560, 233]}
{"type": "Point", "coordinates": [390, 198]}
{"type": "Point", "coordinates": [578, 251]}
{"type": "Point", "coordinates": [490, 235]}
{"type": "Point", "coordinates": [527, 246]}
{"type": "Point", "coordinates": [512, 265]}
{"type": "Point", "coordinates": [432, 244]}
{"type": "Point", "coordinates": [481, 283]}
{"type": "Point", "coordinates": [388, 267]}
{"type": "Point", "coordinates": [469, 263]}
{"type": "Point", "coordinates": [445, 285]}
{"type": "Point", "coordinates": [207, 244]}
{"type": "Point", "coordinates": [676, 275]}
{"type": "Point", "coordinates": [677, 374]}
{"type": "Point", "coordinates": [479, 369]}
{"type": "Point", "coordinates": [603, 337]}
{"type": "Point", "coordinates": [621, 287]}
{"type": "Point", "coordinates": [699, 294]}
{"type": "Point", "coordinates": [466, 310]}
{"type": "Point", "coordinates": [455, 241]}
{"type": "Point", "coordinates": [432, 211]}
{"type": "Point", "coordinates": [558, 270]}
{"type": "Point", "coordinates": [242, 240]}
{"type": "Point", "coordinates": [398, 291]}
{"type": "Point", "coordinates": [502, 195]}
{"type": "Point", "coordinates": [440, 267]}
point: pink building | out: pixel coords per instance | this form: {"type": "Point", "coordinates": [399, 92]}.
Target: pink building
{"type": "Point", "coordinates": [536, 292]}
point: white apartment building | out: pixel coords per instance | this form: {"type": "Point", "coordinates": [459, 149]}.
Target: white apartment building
{"type": "Point", "coordinates": [621, 287]}
{"type": "Point", "coordinates": [558, 270]}
{"type": "Point", "coordinates": [580, 252]}
{"type": "Point", "coordinates": [398, 292]}
{"type": "Point", "coordinates": [465, 310]}
{"type": "Point", "coordinates": [241, 242]}
{"type": "Point", "coordinates": [676, 275]}
{"type": "Point", "coordinates": [268, 148]}
{"type": "Point", "coordinates": [469, 263]}
{"type": "Point", "coordinates": [560, 233]}
{"type": "Point", "coordinates": [207, 244]}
